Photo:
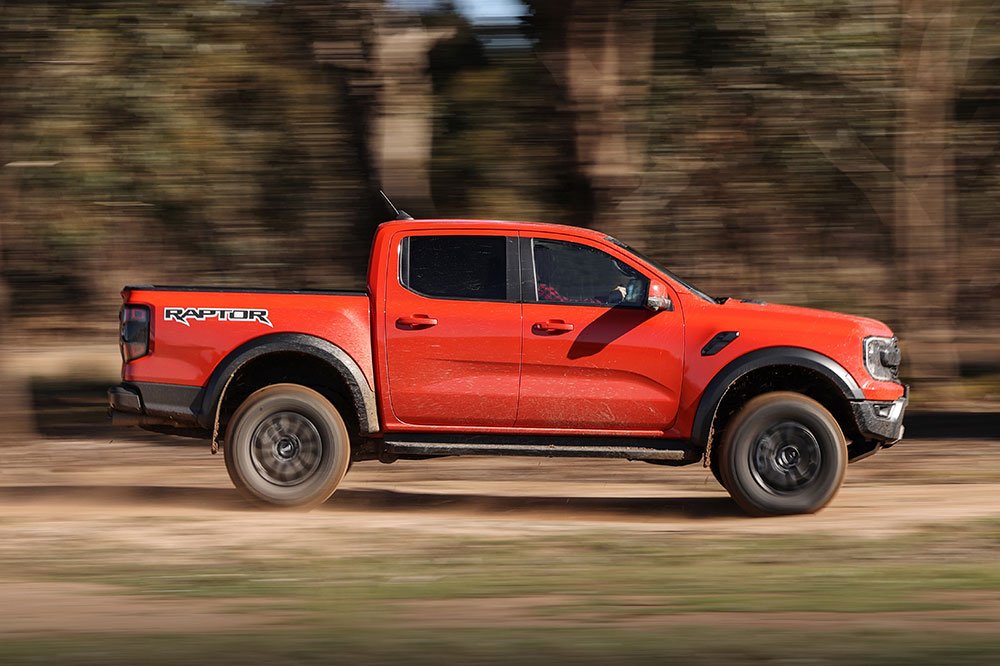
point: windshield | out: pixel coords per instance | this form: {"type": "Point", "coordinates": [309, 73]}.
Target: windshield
{"type": "Point", "coordinates": [662, 269]}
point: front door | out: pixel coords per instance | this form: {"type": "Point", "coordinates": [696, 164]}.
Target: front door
{"type": "Point", "coordinates": [594, 358]}
{"type": "Point", "coordinates": [453, 329]}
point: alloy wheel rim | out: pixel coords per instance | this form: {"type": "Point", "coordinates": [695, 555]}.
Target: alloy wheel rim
{"type": "Point", "coordinates": [286, 449]}
{"type": "Point", "coordinates": [785, 458]}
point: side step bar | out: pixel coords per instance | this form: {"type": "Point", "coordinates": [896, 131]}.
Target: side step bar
{"type": "Point", "coordinates": [678, 455]}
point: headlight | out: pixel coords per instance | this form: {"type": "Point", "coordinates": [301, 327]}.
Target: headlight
{"type": "Point", "coordinates": [882, 358]}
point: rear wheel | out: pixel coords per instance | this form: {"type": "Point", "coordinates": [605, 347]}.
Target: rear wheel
{"type": "Point", "coordinates": [783, 453]}
{"type": "Point", "coordinates": [287, 446]}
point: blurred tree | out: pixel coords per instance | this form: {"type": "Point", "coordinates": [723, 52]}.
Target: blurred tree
{"type": "Point", "coordinates": [503, 140]}
{"type": "Point", "coordinates": [196, 141]}
{"type": "Point", "coordinates": [925, 208]}
{"type": "Point", "coordinates": [599, 53]}
{"type": "Point", "coordinates": [14, 395]}
{"type": "Point", "coordinates": [807, 138]}
{"type": "Point", "coordinates": [837, 153]}
{"type": "Point", "coordinates": [380, 57]}
{"type": "Point", "coordinates": [15, 414]}
{"type": "Point", "coordinates": [403, 127]}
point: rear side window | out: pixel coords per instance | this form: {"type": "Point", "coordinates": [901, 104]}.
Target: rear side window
{"type": "Point", "coordinates": [457, 267]}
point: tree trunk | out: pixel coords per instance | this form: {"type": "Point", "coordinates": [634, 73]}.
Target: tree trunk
{"type": "Point", "coordinates": [403, 127]}
{"type": "Point", "coordinates": [381, 55]}
{"type": "Point", "coordinates": [916, 197]}
{"type": "Point", "coordinates": [16, 423]}
{"type": "Point", "coordinates": [600, 54]}
{"type": "Point", "coordinates": [925, 207]}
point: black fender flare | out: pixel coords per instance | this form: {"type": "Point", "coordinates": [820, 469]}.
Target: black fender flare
{"type": "Point", "coordinates": [761, 358]}
{"type": "Point", "coordinates": [322, 350]}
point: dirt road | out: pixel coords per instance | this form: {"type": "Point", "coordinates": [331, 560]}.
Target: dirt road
{"type": "Point", "coordinates": [94, 532]}
{"type": "Point", "coordinates": [917, 483]}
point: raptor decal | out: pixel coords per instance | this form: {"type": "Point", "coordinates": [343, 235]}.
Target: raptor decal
{"type": "Point", "coordinates": [185, 315]}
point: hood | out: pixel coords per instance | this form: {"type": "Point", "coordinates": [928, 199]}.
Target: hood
{"type": "Point", "coordinates": [802, 320]}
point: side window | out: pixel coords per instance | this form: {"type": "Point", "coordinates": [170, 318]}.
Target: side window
{"type": "Point", "coordinates": [457, 267]}
{"type": "Point", "coordinates": [581, 275]}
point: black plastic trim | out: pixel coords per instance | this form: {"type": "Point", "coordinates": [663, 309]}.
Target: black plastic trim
{"type": "Point", "coordinates": [528, 293]}
{"type": "Point", "coordinates": [165, 403]}
{"type": "Point", "coordinates": [662, 456]}
{"type": "Point", "coordinates": [761, 358]}
{"type": "Point", "coordinates": [664, 451]}
{"type": "Point", "coordinates": [537, 440]}
{"type": "Point", "coordinates": [242, 290]}
{"type": "Point", "coordinates": [175, 401]}
{"type": "Point", "coordinates": [873, 426]}
{"type": "Point", "coordinates": [719, 342]}
{"type": "Point", "coordinates": [514, 285]}
{"type": "Point", "coordinates": [124, 398]}
{"type": "Point", "coordinates": [323, 350]}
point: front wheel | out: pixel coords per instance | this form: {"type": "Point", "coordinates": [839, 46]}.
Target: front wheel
{"type": "Point", "coordinates": [287, 446]}
{"type": "Point", "coordinates": [783, 453]}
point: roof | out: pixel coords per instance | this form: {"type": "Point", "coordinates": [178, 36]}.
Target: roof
{"type": "Point", "coordinates": [492, 224]}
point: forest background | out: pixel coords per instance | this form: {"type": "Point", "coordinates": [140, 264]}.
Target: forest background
{"type": "Point", "coordinates": [840, 154]}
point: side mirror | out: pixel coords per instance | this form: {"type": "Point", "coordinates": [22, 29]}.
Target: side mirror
{"type": "Point", "coordinates": [657, 298]}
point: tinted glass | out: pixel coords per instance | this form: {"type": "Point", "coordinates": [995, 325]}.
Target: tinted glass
{"type": "Point", "coordinates": [473, 267]}
{"type": "Point", "coordinates": [582, 275]}
{"type": "Point", "coordinates": [666, 271]}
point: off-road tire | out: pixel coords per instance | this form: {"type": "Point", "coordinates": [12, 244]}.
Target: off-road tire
{"type": "Point", "coordinates": [783, 453]}
{"type": "Point", "coordinates": [287, 446]}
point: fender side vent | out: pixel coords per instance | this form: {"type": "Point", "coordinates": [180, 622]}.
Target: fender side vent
{"type": "Point", "coordinates": [719, 342]}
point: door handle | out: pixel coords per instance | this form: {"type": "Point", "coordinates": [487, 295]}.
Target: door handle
{"type": "Point", "coordinates": [553, 326]}
{"type": "Point", "coordinates": [417, 321]}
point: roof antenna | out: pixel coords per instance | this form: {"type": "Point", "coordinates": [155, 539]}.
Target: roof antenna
{"type": "Point", "coordinates": [399, 214]}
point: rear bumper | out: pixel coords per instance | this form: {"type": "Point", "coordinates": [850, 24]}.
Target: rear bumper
{"type": "Point", "coordinates": [124, 399]}
{"type": "Point", "coordinates": [881, 421]}
{"type": "Point", "coordinates": [149, 403]}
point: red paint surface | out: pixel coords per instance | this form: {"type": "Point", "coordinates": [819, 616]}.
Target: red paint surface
{"type": "Point", "coordinates": [484, 367]}
{"type": "Point", "coordinates": [187, 354]}
{"type": "Point", "coordinates": [462, 370]}
{"type": "Point", "coordinates": [617, 368]}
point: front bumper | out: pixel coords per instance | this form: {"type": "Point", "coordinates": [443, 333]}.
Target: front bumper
{"type": "Point", "coordinates": [881, 421]}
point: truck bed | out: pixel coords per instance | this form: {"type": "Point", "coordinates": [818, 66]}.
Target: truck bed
{"type": "Point", "coordinates": [192, 329]}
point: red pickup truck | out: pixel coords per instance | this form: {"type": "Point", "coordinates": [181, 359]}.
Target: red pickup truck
{"type": "Point", "coordinates": [499, 338]}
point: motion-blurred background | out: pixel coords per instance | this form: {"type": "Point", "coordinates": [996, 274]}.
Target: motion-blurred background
{"type": "Point", "coordinates": [840, 154]}
{"type": "Point", "coordinates": [833, 153]}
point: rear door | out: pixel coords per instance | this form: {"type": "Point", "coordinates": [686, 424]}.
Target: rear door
{"type": "Point", "coordinates": [453, 328]}
{"type": "Point", "coordinates": [594, 358]}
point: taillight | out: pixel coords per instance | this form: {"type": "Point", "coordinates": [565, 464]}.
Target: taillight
{"type": "Point", "coordinates": [134, 341]}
